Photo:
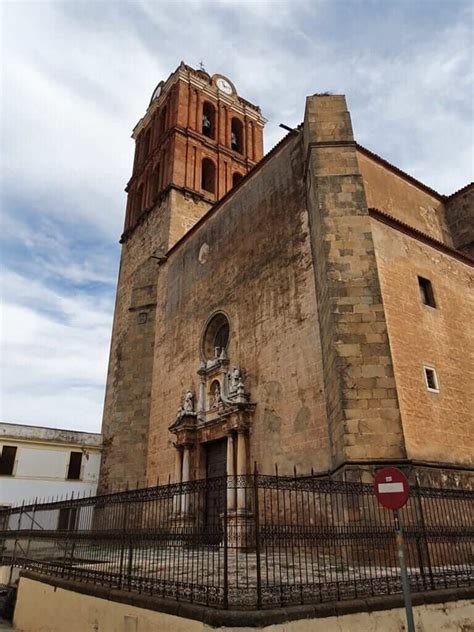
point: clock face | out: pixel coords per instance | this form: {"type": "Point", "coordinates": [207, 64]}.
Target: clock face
{"type": "Point", "coordinates": [157, 93]}
{"type": "Point", "coordinates": [224, 85]}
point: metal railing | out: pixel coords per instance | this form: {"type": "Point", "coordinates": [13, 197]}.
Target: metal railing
{"type": "Point", "coordinates": [246, 541]}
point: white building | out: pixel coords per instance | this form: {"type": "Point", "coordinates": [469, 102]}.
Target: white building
{"type": "Point", "coordinates": [46, 463]}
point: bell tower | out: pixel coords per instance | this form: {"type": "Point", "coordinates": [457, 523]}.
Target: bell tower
{"type": "Point", "coordinates": [197, 139]}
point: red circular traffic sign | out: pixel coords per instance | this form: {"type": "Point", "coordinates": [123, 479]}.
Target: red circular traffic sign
{"type": "Point", "coordinates": [391, 488]}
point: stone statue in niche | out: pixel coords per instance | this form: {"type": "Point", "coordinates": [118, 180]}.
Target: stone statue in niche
{"type": "Point", "coordinates": [216, 398]}
{"type": "Point", "coordinates": [188, 406]}
{"type": "Point", "coordinates": [240, 388]}
{"type": "Point", "coordinates": [234, 379]}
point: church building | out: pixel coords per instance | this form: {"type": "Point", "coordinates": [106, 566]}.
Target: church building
{"type": "Point", "coordinates": [305, 309]}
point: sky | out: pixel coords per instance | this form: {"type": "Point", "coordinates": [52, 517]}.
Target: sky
{"type": "Point", "coordinates": [77, 76]}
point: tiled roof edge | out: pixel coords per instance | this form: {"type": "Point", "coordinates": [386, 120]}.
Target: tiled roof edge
{"type": "Point", "coordinates": [400, 172]}
{"type": "Point", "coordinates": [463, 189]}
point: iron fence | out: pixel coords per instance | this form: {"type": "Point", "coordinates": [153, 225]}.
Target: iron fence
{"type": "Point", "coordinates": [246, 541]}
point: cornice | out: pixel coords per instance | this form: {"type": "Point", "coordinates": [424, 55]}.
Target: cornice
{"type": "Point", "coordinates": [154, 207]}
{"type": "Point", "coordinates": [203, 140]}
{"type": "Point", "coordinates": [193, 77]}
{"type": "Point", "coordinates": [391, 221]}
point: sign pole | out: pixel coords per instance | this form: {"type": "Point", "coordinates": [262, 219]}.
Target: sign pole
{"type": "Point", "coordinates": [403, 571]}
{"type": "Point", "coordinates": [392, 489]}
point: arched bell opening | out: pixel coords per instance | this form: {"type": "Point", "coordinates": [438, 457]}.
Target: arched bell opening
{"type": "Point", "coordinates": [208, 176]}
{"type": "Point", "coordinates": [208, 120]}
{"type": "Point", "coordinates": [236, 135]}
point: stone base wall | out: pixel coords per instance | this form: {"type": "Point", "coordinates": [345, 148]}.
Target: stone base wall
{"type": "Point", "coordinates": [45, 606]}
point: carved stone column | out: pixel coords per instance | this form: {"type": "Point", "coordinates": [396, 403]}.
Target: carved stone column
{"type": "Point", "coordinates": [202, 395]}
{"type": "Point", "coordinates": [177, 477]}
{"type": "Point", "coordinates": [198, 112]}
{"type": "Point", "coordinates": [241, 469]}
{"type": "Point", "coordinates": [230, 473]}
{"type": "Point", "coordinates": [241, 524]}
{"type": "Point", "coordinates": [185, 478]}
{"type": "Point", "coordinates": [178, 465]}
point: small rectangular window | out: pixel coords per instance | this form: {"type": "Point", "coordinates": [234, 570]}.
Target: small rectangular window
{"type": "Point", "coordinates": [431, 379]}
{"type": "Point", "coordinates": [426, 292]}
{"type": "Point", "coordinates": [74, 469]}
{"type": "Point", "coordinates": [7, 460]}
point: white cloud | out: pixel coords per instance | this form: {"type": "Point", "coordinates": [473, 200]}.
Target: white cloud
{"type": "Point", "coordinates": [54, 352]}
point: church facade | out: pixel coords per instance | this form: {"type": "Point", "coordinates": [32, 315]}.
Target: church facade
{"type": "Point", "coordinates": [306, 309]}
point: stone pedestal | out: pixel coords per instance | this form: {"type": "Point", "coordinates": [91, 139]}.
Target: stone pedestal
{"type": "Point", "coordinates": [241, 530]}
{"type": "Point", "coordinates": [184, 527]}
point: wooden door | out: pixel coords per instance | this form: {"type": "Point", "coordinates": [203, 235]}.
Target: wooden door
{"type": "Point", "coordinates": [216, 466]}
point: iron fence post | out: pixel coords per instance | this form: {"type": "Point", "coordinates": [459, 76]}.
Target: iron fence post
{"type": "Point", "coordinates": [31, 529]}
{"type": "Point", "coordinates": [130, 558]}
{"type": "Point", "coordinates": [403, 571]}
{"type": "Point", "coordinates": [419, 506]}
{"type": "Point", "coordinates": [4, 522]}
{"type": "Point", "coordinates": [70, 530]}
{"type": "Point", "coordinates": [66, 542]}
{"type": "Point", "coordinates": [257, 535]}
{"type": "Point", "coordinates": [122, 547]}
{"type": "Point", "coordinates": [226, 550]}
{"type": "Point", "coordinates": [16, 542]}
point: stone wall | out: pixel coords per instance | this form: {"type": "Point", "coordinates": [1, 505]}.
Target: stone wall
{"type": "Point", "coordinates": [361, 399]}
{"type": "Point", "coordinates": [258, 270]}
{"type": "Point", "coordinates": [438, 427]}
{"type": "Point", "coordinates": [130, 372]}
